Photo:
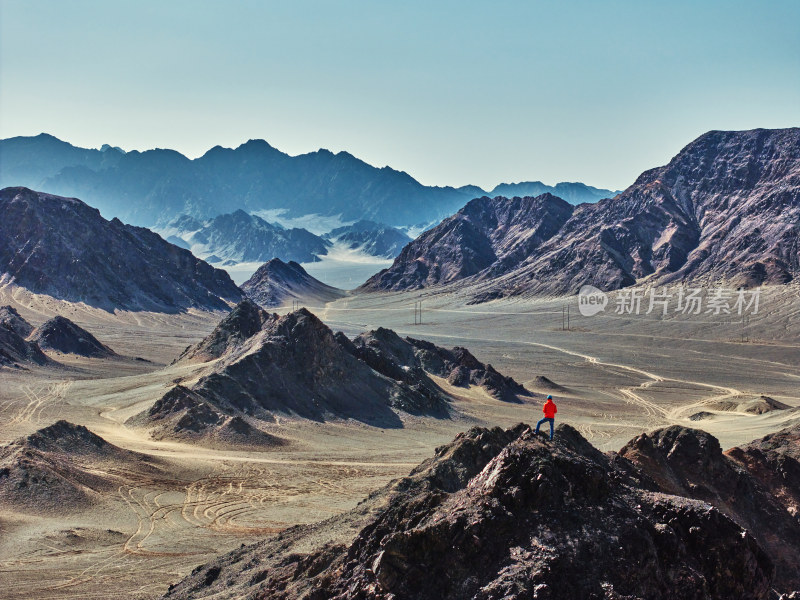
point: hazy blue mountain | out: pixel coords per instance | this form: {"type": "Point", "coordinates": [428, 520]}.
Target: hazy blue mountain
{"type": "Point", "coordinates": [240, 237]}
{"type": "Point", "coordinates": [152, 188]}
{"type": "Point", "coordinates": [572, 192]}
{"type": "Point", "coordinates": [373, 238]}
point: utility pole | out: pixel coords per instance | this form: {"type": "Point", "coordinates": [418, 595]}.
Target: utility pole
{"type": "Point", "coordinates": [418, 312]}
{"type": "Point", "coordinates": [565, 317]}
{"type": "Point", "coordinates": [745, 330]}
{"type": "Point", "coordinates": [295, 305]}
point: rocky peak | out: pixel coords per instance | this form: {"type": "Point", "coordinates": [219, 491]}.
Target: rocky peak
{"type": "Point", "coordinates": [63, 436]}
{"type": "Point", "coordinates": [509, 514]}
{"type": "Point", "coordinates": [244, 321]}
{"type": "Point", "coordinates": [62, 335]}
{"type": "Point", "coordinates": [11, 319]}
{"type": "Point", "coordinates": [690, 463]}
{"type": "Point", "coordinates": [276, 282]}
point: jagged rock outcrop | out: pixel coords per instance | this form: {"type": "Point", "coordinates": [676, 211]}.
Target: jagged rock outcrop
{"type": "Point", "coordinates": [243, 322]}
{"type": "Point", "coordinates": [62, 335]}
{"type": "Point", "coordinates": [61, 468]}
{"type": "Point", "coordinates": [408, 359]}
{"type": "Point", "coordinates": [726, 208]}
{"type": "Point", "coordinates": [277, 283]}
{"type": "Point", "coordinates": [690, 463]}
{"type": "Point", "coordinates": [63, 248]}
{"type": "Point", "coordinates": [507, 514]}
{"type": "Point", "coordinates": [186, 415]}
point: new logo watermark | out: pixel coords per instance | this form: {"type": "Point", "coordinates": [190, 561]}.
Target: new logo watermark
{"type": "Point", "coordinates": [591, 300]}
{"type": "Point", "coordinates": [714, 301]}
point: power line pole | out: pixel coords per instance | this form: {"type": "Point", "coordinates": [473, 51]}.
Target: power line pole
{"type": "Point", "coordinates": [418, 312]}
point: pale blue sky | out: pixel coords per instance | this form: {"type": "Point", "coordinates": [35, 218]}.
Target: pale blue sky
{"type": "Point", "coordinates": [451, 92]}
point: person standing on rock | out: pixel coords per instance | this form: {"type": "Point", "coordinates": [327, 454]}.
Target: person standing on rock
{"type": "Point", "coordinates": [549, 411]}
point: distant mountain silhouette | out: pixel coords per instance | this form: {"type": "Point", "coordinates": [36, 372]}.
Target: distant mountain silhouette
{"type": "Point", "coordinates": [726, 208]}
{"type": "Point", "coordinates": [155, 186]}
{"type": "Point", "coordinates": [574, 193]}
{"type": "Point", "coordinates": [63, 248]}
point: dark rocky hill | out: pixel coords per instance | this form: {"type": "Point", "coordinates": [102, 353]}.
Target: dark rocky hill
{"type": "Point", "coordinates": [726, 208]}
{"type": "Point", "coordinates": [262, 366]}
{"type": "Point", "coordinates": [11, 319]}
{"type": "Point", "coordinates": [63, 248]}
{"type": "Point", "coordinates": [291, 366]}
{"type": "Point", "coordinates": [487, 238]}
{"type": "Point", "coordinates": [62, 335]}
{"type": "Point", "coordinates": [370, 237]}
{"type": "Point", "coordinates": [690, 463]}
{"type": "Point", "coordinates": [508, 514]}
{"type": "Point", "coordinates": [411, 360]}
{"type": "Point", "coordinates": [16, 351]}
{"type": "Point", "coordinates": [62, 468]}
{"type": "Point", "coordinates": [277, 283]}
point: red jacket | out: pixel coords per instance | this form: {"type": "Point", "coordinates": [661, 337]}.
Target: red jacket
{"type": "Point", "coordinates": [550, 409]}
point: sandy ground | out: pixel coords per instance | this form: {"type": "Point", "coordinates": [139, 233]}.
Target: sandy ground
{"type": "Point", "coordinates": [621, 375]}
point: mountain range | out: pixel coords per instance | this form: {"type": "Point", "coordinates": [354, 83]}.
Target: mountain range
{"type": "Point", "coordinates": [156, 186]}
{"type": "Point", "coordinates": [241, 237]}
{"type": "Point", "coordinates": [726, 208]}
{"type": "Point", "coordinates": [63, 248]}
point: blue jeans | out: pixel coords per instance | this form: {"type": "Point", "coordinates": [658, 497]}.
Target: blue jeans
{"type": "Point", "coordinates": [552, 422]}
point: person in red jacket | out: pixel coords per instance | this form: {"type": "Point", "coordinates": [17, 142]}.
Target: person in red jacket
{"type": "Point", "coordinates": [549, 411]}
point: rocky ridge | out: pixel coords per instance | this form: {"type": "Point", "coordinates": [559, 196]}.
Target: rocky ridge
{"type": "Point", "coordinates": [508, 514]}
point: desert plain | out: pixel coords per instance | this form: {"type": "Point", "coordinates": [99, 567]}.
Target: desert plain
{"type": "Point", "coordinates": [612, 375]}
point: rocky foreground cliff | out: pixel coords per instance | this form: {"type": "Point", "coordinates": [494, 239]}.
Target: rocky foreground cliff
{"type": "Point", "coordinates": [509, 514]}
{"type": "Point", "coordinates": [726, 208]}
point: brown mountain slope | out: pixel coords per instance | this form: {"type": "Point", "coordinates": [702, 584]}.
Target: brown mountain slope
{"type": "Point", "coordinates": [726, 208]}
{"type": "Point", "coordinates": [63, 248]}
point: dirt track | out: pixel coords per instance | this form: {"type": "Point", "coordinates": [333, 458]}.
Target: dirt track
{"type": "Point", "coordinates": [621, 376]}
